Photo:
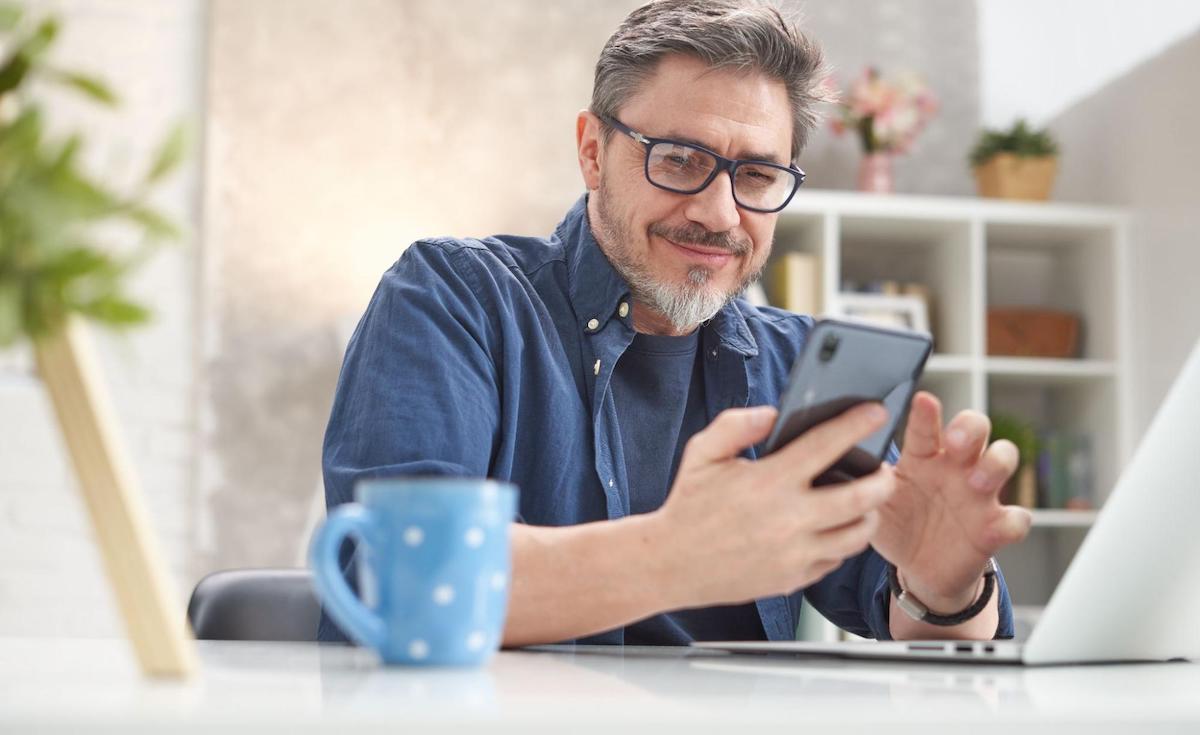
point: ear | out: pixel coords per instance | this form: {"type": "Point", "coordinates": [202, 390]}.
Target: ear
{"type": "Point", "coordinates": [589, 140]}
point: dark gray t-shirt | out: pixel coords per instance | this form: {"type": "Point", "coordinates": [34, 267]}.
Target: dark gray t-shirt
{"type": "Point", "coordinates": [658, 385]}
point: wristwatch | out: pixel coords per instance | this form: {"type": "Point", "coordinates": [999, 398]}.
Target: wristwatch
{"type": "Point", "coordinates": [918, 611]}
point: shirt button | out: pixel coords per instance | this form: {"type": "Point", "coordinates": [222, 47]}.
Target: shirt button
{"type": "Point", "coordinates": [593, 324]}
{"type": "Point", "coordinates": [610, 482]}
{"type": "Point", "coordinates": [624, 310]}
{"type": "Point", "coordinates": [712, 355]}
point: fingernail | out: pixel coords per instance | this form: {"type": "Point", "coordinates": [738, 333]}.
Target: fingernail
{"type": "Point", "coordinates": [956, 437]}
{"type": "Point", "coordinates": [978, 480]}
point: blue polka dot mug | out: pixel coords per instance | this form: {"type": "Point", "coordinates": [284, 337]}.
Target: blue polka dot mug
{"type": "Point", "coordinates": [433, 567]}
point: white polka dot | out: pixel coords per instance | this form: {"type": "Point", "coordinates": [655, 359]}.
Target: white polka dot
{"type": "Point", "coordinates": [418, 649]}
{"type": "Point", "coordinates": [413, 536]}
{"type": "Point", "coordinates": [476, 640]}
{"type": "Point", "coordinates": [474, 537]}
{"type": "Point", "coordinates": [498, 581]}
{"type": "Point", "coordinates": [443, 594]}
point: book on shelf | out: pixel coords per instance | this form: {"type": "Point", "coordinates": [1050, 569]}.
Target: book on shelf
{"type": "Point", "coordinates": [1065, 471]}
{"type": "Point", "coordinates": [794, 283]}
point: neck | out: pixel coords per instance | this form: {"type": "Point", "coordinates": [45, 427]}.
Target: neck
{"type": "Point", "coordinates": [649, 321]}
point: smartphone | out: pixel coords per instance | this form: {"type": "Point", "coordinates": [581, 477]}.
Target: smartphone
{"type": "Point", "coordinates": [842, 365]}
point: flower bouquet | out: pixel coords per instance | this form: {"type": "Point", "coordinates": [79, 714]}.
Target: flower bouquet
{"type": "Point", "coordinates": [888, 116]}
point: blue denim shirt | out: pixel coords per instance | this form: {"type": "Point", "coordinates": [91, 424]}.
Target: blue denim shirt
{"type": "Point", "coordinates": [494, 357]}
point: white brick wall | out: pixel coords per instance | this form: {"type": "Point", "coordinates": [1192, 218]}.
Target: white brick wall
{"type": "Point", "coordinates": [51, 581]}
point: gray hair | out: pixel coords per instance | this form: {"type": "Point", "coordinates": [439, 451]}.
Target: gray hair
{"type": "Point", "coordinates": [738, 34]}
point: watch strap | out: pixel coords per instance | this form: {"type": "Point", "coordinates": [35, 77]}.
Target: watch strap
{"type": "Point", "coordinates": [917, 610]}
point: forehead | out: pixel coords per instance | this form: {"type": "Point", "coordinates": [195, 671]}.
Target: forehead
{"type": "Point", "coordinates": [738, 113]}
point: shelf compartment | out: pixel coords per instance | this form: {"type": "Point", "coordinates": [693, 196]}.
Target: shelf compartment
{"type": "Point", "coordinates": [1068, 268]}
{"type": "Point", "coordinates": [1070, 406]}
{"type": "Point", "coordinates": [934, 253]}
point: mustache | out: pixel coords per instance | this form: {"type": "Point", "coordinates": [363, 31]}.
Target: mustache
{"type": "Point", "coordinates": [696, 235]}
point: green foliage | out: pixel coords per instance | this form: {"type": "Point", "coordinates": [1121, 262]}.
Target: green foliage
{"type": "Point", "coordinates": [1020, 140]}
{"type": "Point", "coordinates": [1018, 431]}
{"type": "Point", "coordinates": [52, 260]}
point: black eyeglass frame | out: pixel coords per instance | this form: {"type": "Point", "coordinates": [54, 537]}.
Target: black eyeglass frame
{"type": "Point", "coordinates": [723, 164]}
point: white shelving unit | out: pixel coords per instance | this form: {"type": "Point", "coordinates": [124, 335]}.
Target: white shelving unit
{"type": "Point", "coordinates": [974, 254]}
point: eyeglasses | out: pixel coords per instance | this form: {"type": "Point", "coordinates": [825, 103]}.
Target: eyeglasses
{"type": "Point", "coordinates": [686, 168]}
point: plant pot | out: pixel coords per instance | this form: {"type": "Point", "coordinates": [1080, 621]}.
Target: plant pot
{"type": "Point", "coordinates": [1008, 176]}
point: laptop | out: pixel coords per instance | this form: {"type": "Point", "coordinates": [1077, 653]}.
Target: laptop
{"type": "Point", "coordinates": [1132, 591]}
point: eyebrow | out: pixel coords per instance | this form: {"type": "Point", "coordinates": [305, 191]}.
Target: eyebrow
{"type": "Point", "coordinates": [751, 156]}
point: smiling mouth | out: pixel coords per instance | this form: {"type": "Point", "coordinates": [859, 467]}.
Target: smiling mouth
{"type": "Point", "coordinates": [708, 255]}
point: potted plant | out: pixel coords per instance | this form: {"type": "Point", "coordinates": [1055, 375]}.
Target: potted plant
{"type": "Point", "coordinates": [57, 267]}
{"type": "Point", "coordinates": [1018, 163]}
{"type": "Point", "coordinates": [887, 116]}
{"type": "Point", "coordinates": [1022, 487]}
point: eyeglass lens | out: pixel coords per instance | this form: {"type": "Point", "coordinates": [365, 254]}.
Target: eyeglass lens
{"type": "Point", "coordinates": [685, 169]}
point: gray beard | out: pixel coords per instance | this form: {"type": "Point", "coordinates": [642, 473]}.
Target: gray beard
{"type": "Point", "coordinates": [684, 305]}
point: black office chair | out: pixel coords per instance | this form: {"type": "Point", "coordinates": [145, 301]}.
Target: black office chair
{"type": "Point", "coordinates": [255, 605]}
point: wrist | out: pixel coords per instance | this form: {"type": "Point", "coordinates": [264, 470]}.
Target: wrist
{"type": "Point", "coordinates": [937, 598]}
{"type": "Point", "coordinates": [665, 565]}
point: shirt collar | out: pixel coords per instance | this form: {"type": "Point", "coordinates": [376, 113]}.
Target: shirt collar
{"type": "Point", "coordinates": [597, 290]}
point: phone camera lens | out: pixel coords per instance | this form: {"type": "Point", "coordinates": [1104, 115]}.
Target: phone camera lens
{"type": "Point", "coordinates": [828, 348]}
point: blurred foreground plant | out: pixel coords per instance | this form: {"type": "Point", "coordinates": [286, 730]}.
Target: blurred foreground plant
{"type": "Point", "coordinates": [52, 260]}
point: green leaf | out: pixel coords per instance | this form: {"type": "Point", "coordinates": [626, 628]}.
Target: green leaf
{"type": "Point", "coordinates": [170, 154]}
{"type": "Point", "coordinates": [10, 16]}
{"type": "Point", "coordinates": [13, 72]}
{"type": "Point", "coordinates": [25, 56]}
{"type": "Point", "coordinates": [90, 86]}
{"type": "Point", "coordinates": [156, 225]}
{"type": "Point", "coordinates": [78, 262]}
{"type": "Point", "coordinates": [115, 311]}
{"type": "Point", "coordinates": [10, 314]}
{"type": "Point", "coordinates": [42, 38]}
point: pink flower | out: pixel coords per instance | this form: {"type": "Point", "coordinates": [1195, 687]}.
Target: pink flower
{"type": "Point", "coordinates": [894, 112]}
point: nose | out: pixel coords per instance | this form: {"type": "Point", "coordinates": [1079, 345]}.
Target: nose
{"type": "Point", "coordinates": [714, 207]}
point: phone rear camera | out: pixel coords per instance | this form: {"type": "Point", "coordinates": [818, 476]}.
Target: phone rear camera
{"type": "Point", "coordinates": [828, 348]}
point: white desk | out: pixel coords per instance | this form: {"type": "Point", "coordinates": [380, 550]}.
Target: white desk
{"type": "Point", "coordinates": [55, 685]}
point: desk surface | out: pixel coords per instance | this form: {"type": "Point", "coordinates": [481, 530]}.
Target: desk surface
{"type": "Point", "coordinates": [56, 685]}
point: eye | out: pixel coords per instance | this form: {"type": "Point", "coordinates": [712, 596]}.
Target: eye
{"type": "Point", "coordinates": [758, 176]}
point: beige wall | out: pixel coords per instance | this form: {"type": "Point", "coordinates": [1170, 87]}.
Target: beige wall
{"type": "Point", "coordinates": [1133, 144]}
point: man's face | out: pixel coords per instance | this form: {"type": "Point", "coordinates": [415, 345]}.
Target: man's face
{"type": "Point", "coordinates": [683, 255]}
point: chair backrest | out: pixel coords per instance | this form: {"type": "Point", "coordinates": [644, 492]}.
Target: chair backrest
{"type": "Point", "coordinates": [255, 605]}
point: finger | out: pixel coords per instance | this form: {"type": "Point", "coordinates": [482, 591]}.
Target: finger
{"type": "Point", "coordinates": [729, 433]}
{"type": "Point", "coordinates": [1009, 527]}
{"type": "Point", "coordinates": [836, 506]}
{"type": "Point", "coordinates": [923, 435]}
{"type": "Point", "coordinates": [966, 436]}
{"type": "Point", "coordinates": [993, 469]}
{"type": "Point", "coordinates": [849, 540]}
{"type": "Point", "coordinates": [817, 449]}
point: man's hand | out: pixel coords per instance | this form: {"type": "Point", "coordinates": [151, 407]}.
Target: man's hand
{"type": "Point", "coordinates": [736, 530]}
{"type": "Point", "coordinates": [945, 518]}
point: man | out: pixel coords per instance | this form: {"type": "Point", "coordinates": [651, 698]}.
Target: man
{"type": "Point", "coordinates": [612, 374]}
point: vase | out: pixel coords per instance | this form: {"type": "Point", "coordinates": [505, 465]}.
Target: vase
{"type": "Point", "coordinates": [875, 173]}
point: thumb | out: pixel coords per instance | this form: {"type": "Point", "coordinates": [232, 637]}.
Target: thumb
{"type": "Point", "coordinates": [729, 433]}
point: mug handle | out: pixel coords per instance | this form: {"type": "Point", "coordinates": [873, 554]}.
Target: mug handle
{"type": "Point", "coordinates": [350, 519]}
